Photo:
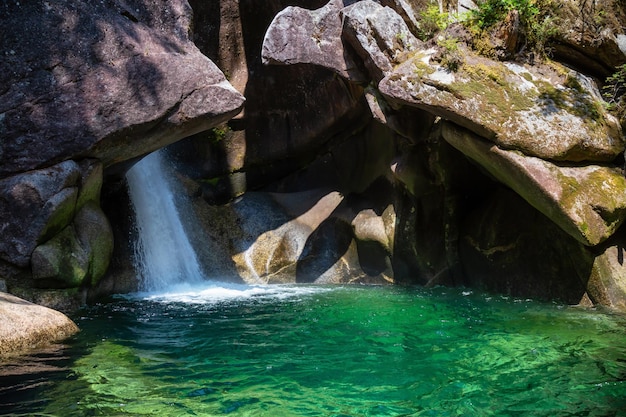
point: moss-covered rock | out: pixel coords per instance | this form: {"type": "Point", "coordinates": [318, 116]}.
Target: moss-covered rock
{"type": "Point", "coordinates": [78, 255]}
{"type": "Point", "coordinates": [587, 202]}
{"type": "Point", "coordinates": [96, 238]}
{"type": "Point", "coordinates": [90, 184]}
{"type": "Point", "coordinates": [34, 207]}
{"type": "Point", "coordinates": [549, 112]}
{"type": "Point", "coordinates": [61, 262]}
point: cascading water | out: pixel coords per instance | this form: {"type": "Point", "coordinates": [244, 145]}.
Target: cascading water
{"type": "Point", "coordinates": [164, 256]}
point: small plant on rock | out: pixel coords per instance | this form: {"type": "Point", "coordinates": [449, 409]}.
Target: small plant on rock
{"type": "Point", "coordinates": [432, 20]}
{"type": "Point", "coordinates": [537, 20]}
{"type": "Point", "coordinates": [614, 92]}
{"type": "Point", "coordinates": [451, 57]}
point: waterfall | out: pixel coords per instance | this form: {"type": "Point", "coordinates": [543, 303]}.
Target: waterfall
{"type": "Point", "coordinates": [164, 255]}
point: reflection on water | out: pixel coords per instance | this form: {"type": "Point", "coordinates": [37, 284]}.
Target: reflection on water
{"type": "Point", "coordinates": [331, 351]}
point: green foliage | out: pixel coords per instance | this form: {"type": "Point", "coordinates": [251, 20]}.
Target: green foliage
{"type": "Point", "coordinates": [217, 134]}
{"type": "Point", "coordinates": [490, 12]}
{"type": "Point", "coordinates": [432, 21]}
{"type": "Point", "coordinates": [451, 58]}
{"type": "Point", "coordinates": [537, 19]}
{"type": "Point", "coordinates": [540, 31]}
{"type": "Point", "coordinates": [614, 92]}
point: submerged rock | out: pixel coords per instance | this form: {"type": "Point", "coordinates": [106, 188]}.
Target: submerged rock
{"type": "Point", "coordinates": [25, 326]}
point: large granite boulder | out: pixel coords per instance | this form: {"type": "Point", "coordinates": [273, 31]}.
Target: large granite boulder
{"type": "Point", "coordinates": [54, 227]}
{"type": "Point", "coordinates": [548, 112]}
{"type": "Point", "coordinates": [591, 36]}
{"type": "Point", "coordinates": [78, 255]}
{"type": "Point", "coordinates": [539, 127]}
{"type": "Point", "coordinates": [37, 205]}
{"type": "Point", "coordinates": [379, 35]}
{"type": "Point", "coordinates": [110, 80]}
{"type": "Point", "coordinates": [302, 36]}
{"type": "Point", "coordinates": [25, 326]}
{"type": "Point", "coordinates": [607, 280]}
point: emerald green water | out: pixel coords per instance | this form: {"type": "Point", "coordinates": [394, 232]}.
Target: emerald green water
{"type": "Point", "coordinates": [334, 351]}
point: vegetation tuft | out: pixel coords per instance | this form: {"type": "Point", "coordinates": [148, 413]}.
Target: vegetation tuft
{"type": "Point", "coordinates": [537, 20]}
{"type": "Point", "coordinates": [432, 20]}
{"type": "Point", "coordinates": [451, 57]}
{"type": "Point", "coordinates": [614, 92]}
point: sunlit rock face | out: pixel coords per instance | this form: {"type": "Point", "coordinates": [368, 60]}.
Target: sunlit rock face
{"type": "Point", "coordinates": [552, 113]}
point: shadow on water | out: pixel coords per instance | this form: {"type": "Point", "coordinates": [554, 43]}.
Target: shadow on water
{"type": "Point", "coordinates": [23, 378]}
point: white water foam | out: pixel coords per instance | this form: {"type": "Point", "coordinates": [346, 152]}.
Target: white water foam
{"type": "Point", "coordinates": [164, 255]}
{"type": "Point", "coordinates": [215, 293]}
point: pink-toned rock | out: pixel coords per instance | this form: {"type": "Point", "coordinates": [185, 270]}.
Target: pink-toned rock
{"type": "Point", "coordinates": [379, 35]}
{"type": "Point", "coordinates": [110, 80]}
{"type": "Point", "coordinates": [301, 36]}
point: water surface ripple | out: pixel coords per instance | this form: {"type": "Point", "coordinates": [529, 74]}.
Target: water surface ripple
{"type": "Point", "coordinates": [334, 351]}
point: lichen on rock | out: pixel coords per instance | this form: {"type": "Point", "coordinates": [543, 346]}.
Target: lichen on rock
{"type": "Point", "coordinates": [549, 112]}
